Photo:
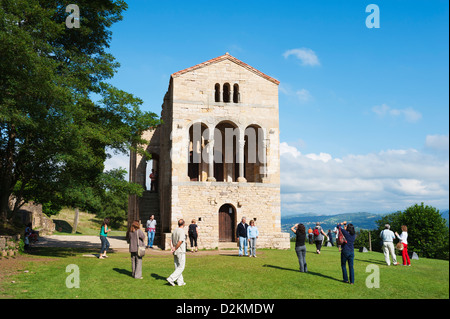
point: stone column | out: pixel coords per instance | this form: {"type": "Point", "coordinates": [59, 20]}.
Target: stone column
{"type": "Point", "coordinates": [211, 161]}
{"type": "Point", "coordinates": [264, 165]}
{"type": "Point", "coordinates": [241, 177]}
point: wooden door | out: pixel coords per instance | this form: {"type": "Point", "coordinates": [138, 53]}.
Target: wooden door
{"type": "Point", "coordinates": [226, 223]}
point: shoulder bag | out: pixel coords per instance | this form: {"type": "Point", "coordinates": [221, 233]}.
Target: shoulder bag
{"type": "Point", "coordinates": [141, 249]}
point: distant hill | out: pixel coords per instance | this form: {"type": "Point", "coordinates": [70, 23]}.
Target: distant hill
{"type": "Point", "coordinates": [360, 220]}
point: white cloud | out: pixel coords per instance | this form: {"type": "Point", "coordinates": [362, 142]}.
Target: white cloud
{"type": "Point", "coordinates": [409, 114]}
{"type": "Point", "coordinates": [437, 142]}
{"type": "Point", "coordinates": [386, 181]}
{"type": "Point", "coordinates": [305, 55]}
{"type": "Point", "coordinates": [303, 95]}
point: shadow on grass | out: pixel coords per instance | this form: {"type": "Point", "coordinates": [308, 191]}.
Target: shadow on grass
{"type": "Point", "coordinates": [60, 252]}
{"type": "Point", "coordinates": [158, 277]}
{"type": "Point", "coordinates": [123, 271]}
{"type": "Point", "coordinates": [63, 226]}
{"type": "Point", "coordinates": [371, 261]}
{"type": "Point", "coordinates": [309, 272]}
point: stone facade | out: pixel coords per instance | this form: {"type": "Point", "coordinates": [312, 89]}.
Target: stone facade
{"type": "Point", "coordinates": [216, 154]}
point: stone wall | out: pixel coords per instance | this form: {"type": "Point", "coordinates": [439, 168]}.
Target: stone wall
{"type": "Point", "coordinates": [32, 213]}
{"type": "Point", "coordinates": [257, 201]}
{"type": "Point", "coordinates": [9, 245]}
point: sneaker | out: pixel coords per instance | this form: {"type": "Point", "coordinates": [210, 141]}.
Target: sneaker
{"type": "Point", "coordinates": [183, 284]}
{"type": "Point", "coordinates": [170, 282]}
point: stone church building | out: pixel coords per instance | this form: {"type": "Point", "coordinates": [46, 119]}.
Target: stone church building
{"type": "Point", "coordinates": [216, 154]}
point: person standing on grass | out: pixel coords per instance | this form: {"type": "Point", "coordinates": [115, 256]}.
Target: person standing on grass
{"type": "Point", "coordinates": [318, 237]}
{"type": "Point", "coordinates": [135, 238]}
{"type": "Point", "coordinates": [103, 238]}
{"type": "Point", "coordinates": [241, 234]}
{"type": "Point", "coordinates": [310, 235]}
{"type": "Point", "coordinates": [348, 252]}
{"type": "Point", "coordinates": [300, 247]}
{"type": "Point", "coordinates": [193, 235]}
{"type": "Point", "coordinates": [252, 235]}
{"type": "Point", "coordinates": [330, 237]}
{"type": "Point", "coordinates": [151, 230]}
{"type": "Point", "coordinates": [404, 240]}
{"type": "Point", "coordinates": [178, 248]}
{"type": "Point", "coordinates": [387, 236]}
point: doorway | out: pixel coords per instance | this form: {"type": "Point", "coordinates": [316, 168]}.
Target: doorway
{"type": "Point", "coordinates": [227, 223]}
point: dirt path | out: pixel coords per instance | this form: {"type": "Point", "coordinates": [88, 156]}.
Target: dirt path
{"type": "Point", "coordinates": [118, 244]}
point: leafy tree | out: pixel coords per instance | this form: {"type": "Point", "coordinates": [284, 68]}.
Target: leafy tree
{"type": "Point", "coordinates": [428, 234]}
{"type": "Point", "coordinates": [54, 134]}
{"type": "Point", "coordinates": [114, 197]}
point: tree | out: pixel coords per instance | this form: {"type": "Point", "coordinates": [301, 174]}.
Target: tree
{"type": "Point", "coordinates": [54, 134]}
{"type": "Point", "coordinates": [114, 196]}
{"type": "Point", "coordinates": [428, 234]}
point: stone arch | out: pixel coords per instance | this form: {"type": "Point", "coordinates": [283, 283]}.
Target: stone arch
{"type": "Point", "coordinates": [226, 145]}
{"type": "Point", "coordinates": [254, 153]}
{"type": "Point", "coordinates": [226, 92]}
{"type": "Point", "coordinates": [236, 93]}
{"type": "Point", "coordinates": [197, 164]}
{"type": "Point", "coordinates": [217, 92]}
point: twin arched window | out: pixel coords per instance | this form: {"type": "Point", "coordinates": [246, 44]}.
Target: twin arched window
{"type": "Point", "coordinates": [227, 95]}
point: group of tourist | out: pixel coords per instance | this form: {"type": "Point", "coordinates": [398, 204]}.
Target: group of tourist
{"type": "Point", "coordinates": [345, 239]}
{"type": "Point", "coordinates": [247, 235]}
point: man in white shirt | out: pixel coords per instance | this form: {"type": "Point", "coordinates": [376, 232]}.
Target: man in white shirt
{"type": "Point", "coordinates": [387, 236]}
{"type": "Point", "coordinates": [151, 230]}
{"type": "Point", "coordinates": [178, 247]}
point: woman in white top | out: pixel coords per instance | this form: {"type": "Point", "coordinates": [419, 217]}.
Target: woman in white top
{"type": "Point", "coordinates": [404, 240]}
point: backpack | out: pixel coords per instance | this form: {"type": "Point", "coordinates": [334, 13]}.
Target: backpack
{"type": "Point", "coordinates": [341, 238]}
{"type": "Point", "coordinates": [316, 232]}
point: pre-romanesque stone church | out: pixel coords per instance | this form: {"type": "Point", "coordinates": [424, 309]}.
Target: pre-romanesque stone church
{"type": "Point", "coordinates": [216, 155]}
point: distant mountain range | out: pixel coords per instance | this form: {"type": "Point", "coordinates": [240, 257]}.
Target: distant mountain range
{"type": "Point", "coordinates": [361, 220]}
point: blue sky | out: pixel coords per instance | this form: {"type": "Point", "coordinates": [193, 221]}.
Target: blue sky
{"type": "Point", "coordinates": [364, 115]}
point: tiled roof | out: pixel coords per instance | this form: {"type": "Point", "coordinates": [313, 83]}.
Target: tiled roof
{"type": "Point", "coordinates": [226, 56]}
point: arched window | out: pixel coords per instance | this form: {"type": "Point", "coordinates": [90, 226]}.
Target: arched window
{"type": "Point", "coordinates": [197, 167]}
{"type": "Point", "coordinates": [217, 92]}
{"type": "Point", "coordinates": [236, 96]}
{"type": "Point", "coordinates": [226, 138]}
{"type": "Point", "coordinates": [226, 92]}
{"type": "Point", "coordinates": [254, 154]}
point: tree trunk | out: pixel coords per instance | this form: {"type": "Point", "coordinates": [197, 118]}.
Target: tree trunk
{"type": "Point", "coordinates": [75, 222]}
{"type": "Point", "coordinates": [4, 207]}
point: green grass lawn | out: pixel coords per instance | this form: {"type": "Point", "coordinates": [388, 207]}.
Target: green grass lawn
{"type": "Point", "coordinates": [273, 275]}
